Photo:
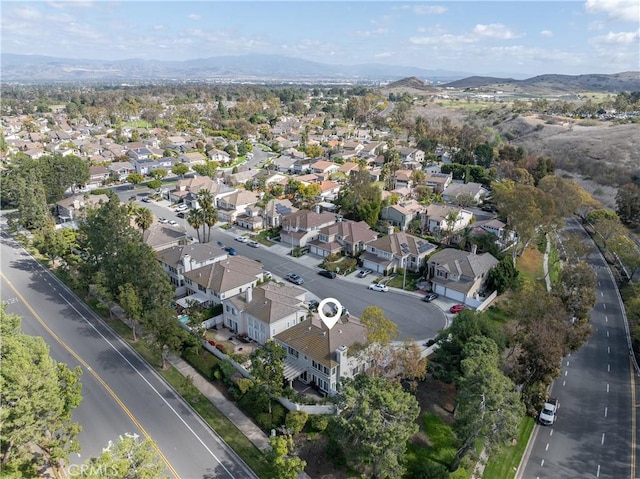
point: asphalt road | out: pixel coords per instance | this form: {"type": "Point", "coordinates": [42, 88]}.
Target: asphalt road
{"type": "Point", "coordinates": [415, 319]}
{"type": "Point", "coordinates": [594, 434]}
{"type": "Point", "coordinates": [122, 395]}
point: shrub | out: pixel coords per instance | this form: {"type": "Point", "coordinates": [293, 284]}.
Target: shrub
{"type": "Point", "coordinates": [225, 372]}
{"type": "Point", "coordinates": [319, 422]}
{"type": "Point", "coordinates": [295, 421]}
{"type": "Point", "coordinates": [244, 385]}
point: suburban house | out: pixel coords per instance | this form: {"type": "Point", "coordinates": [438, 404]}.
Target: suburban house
{"type": "Point", "coordinates": [220, 156]}
{"type": "Point", "coordinates": [121, 169]}
{"type": "Point", "coordinates": [324, 168]}
{"type": "Point", "coordinates": [262, 312]}
{"type": "Point", "coordinates": [144, 166]}
{"type": "Point", "coordinates": [461, 192]}
{"type": "Point", "coordinates": [402, 214]}
{"type": "Point", "coordinates": [176, 260]}
{"type": "Point", "coordinates": [329, 189]}
{"type": "Point", "coordinates": [411, 158]}
{"type": "Point", "coordinates": [347, 237]}
{"type": "Point", "coordinates": [402, 179]}
{"type": "Point", "coordinates": [68, 209]}
{"type": "Point", "coordinates": [223, 279]}
{"type": "Point", "coordinates": [438, 182]}
{"type": "Point", "coordinates": [275, 210]}
{"type": "Point", "coordinates": [303, 226]}
{"type": "Point", "coordinates": [161, 236]}
{"type": "Point", "coordinates": [396, 251]}
{"type": "Point", "coordinates": [97, 176]}
{"type": "Point", "coordinates": [459, 275]}
{"type": "Point", "coordinates": [234, 204]}
{"type": "Point", "coordinates": [504, 237]}
{"type": "Point", "coordinates": [443, 219]}
{"type": "Point", "coordinates": [186, 190]}
{"type": "Point", "coordinates": [192, 158]}
{"type": "Point", "coordinates": [320, 356]}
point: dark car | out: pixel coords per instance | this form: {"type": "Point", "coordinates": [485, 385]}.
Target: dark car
{"type": "Point", "coordinates": [313, 305]}
{"type": "Point", "coordinates": [429, 297]}
{"type": "Point", "coordinates": [230, 250]}
{"type": "Point", "coordinates": [327, 274]}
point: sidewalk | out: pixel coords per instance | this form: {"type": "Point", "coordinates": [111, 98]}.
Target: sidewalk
{"type": "Point", "coordinates": [226, 407]}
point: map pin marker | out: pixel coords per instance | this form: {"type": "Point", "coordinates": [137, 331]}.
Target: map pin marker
{"type": "Point", "coordinates": [329, 321]}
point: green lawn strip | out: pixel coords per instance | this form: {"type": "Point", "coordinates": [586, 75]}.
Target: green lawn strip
{"type": "Point", "coordinates": [504, 464]}
{"type": "Point", "coordinates": [249, 453]}
{"type": "Point", "coordinates": [409, 282]}
{"type": "Point", "coordinates": [554, 264]}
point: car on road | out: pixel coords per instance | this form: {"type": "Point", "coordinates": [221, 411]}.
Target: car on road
{"type": "Point", "coordinates": [253, 244]}
{"type": "Point", "coordinates": [490, 208]}
{"type": "Point", "coordinates": [242, 239]}
{"type": "Point", "coordinates": [132, 198]}
{"type": "Point", "coordinates": [294, 278]}
{"type": "Point", "coordinates": [429, 297]}
{"type": "Point", "coordinates": [327, 274]}
{"type": "Point", "coordinates": [173, 222]}
{"type": "Point", "coordinates": [162, 220]}
{"type": "Point", "coordinates": [231, 251]}
{"type": "Point", "coordinates": [181, 207]}
{"type": "Point", "coordinates": [378, 287]}
{"type": "Point", "coordinates": [456, 308]}
{"type": "Point", "coordinates": [221, 244]}
{"type": "Point", "coordinates": [146, 199]}
{"type": "Point", "coordinates": [363, 273]}
{"type": "Point", "coordinates": [182, 214]}
{"type": "Point", "coordinates": [548, 414]}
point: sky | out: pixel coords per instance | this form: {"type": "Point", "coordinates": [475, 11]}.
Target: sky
{"type": "Point", "coordinates": [480, 37]}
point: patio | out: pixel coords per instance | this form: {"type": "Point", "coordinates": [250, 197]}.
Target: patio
{"type": "Point", "coordinates": [224, 335]}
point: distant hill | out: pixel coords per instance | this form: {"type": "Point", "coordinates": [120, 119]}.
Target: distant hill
{"type": "Point", "coordinates": [625, 81]}
{"type": "Point", "coordinates": [411, 83]}
{"type": "Point", "coordinates": [38, 68]}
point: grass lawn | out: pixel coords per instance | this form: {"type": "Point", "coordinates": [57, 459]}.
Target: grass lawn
{"type": "Point", "coordinates": [530, 265]}
{"type": "Point", "coordinates": [554, 264]}
{"type": "Point", "coordinates": [504, 464]}
{"type": "Point", "coordinates": [410, 283]}
{"type": "Point", "coordinates": [138, 124]}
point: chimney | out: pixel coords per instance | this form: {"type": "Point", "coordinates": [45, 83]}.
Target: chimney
{"type": "Point", "coordinates": [317, 209]}
{"type": "Point", "coordinates": [474, 249]}
{"type": "Point", "coordinates": [186, 260]}
{"type": "Point", "coordinates": [249, 294]}
{"type": "Point", "coordinates": [390, 229]}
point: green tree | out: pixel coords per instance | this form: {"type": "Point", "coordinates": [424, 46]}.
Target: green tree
{"type": "Point", "coordinates": [195, 220]}
{"type": "Point", "coordinates": [628, 204]}
{"type": "Point", "coordinates": [502, 276]}
{"type": "Point", "coordinates": [128, 457]}
{"type": "Point", "coordinates": [488, 405]}
{"type": "Point", "coordinates": [208, 169]}
{"type": "Point", "coordinates": [576, 287]}
{"type": "Point", "coordinates": [54, 243]}
{"type": "Point", "coordinates": [314, 151]}
{"type": "Point", "coordinates": [131, 305]}
{"type": "Point", "coordinates": [154, 184]}
{"type": "Point", "coordinates": [158, 173]}
{"type": "Point", "coordinates": [37, 397]}
{"type": "Point", "coordinates": [33, 211]}
{"type": "Point", "coordinates": [380, 332]}
{"type": "Point", "coordinates": [267, 368]}
{"type": "Point", "coordinates": [135, 178]}
{"type": "Point", "coordinates": [179, 169]}
{"type": "Point", "coordinates": [143, 218]}
{"type": "Point", "coordinates": [286, 464]}
{"type": "Point", "coordinates": [375, 424]}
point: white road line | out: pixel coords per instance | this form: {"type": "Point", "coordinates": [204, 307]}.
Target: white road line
{"type": "Point", "coordinates": [606, 319]}
{"type": "Point", "coordinates": [567, 363]}
{"type": "Point", "coordinates": [542, 463]}
{"type": "Point", "coordinates": [608, 349]}
{"type": "Point", "coordinates": [551, 433]}
{"type": "Point", "coordinates": [564, 383]}
{"type": "Point", "coordinates": [598, 283]}
{"type": "Point", "coordinates": [607, 334]}
{"type": "Point", "coordinates": [607, 388]}
{"type": "Point", "coordinates": [598, 471]}
{"type": "Point", "coordinates": [547, 447]}
{"type": "Point", "coordinates": [602, 441]}
{"type": "Point", "coordinates": [604, 306]}
{"type": "Point", "coordinates": [608, 368]}
{"type": "Point", "coordinates": [566, 372]}
{"type": "Point", "coordinates": [605, 411]}
{"type": "Point", "coordinates": [601, 294]}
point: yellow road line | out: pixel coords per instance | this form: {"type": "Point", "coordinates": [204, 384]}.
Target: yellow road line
{"type": "Point", "coordinates": [94, 374]}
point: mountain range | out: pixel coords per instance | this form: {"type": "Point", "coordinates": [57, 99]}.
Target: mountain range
{"type": "Point", "coordinates": [274, 69]}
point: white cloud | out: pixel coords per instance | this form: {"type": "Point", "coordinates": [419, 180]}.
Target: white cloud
{"type": "Point", "coordinates": [624, 10]}
{"type": "Point", "coordinates": [429, 10]}
{"type": "Point", "coordinates": [383, 55]}
{"type": "Point", "coordinates": [546, 33]}
{"type": "Point", "coordinates": [195, 17]}
{"type": "Point", "coordinates": [494, 30]}
{"type": "Point", "coordinates": [618, 38]}
{"type": "Point", "coordinates": [444, 39]}
{"type": "Point", "coordinates": [27, 13]}
{"type": "Point", "coordinates": [369, 33]}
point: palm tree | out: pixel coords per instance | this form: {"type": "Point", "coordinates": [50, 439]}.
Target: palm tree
{"type": "Point", "coordinates": [210, 218]}
{"type": "Point", "coordinates": [143, 218]}
{"type": "Point", "coordinates": [451, 220]}
{"type": "Point", "coordinates": [195, 220]}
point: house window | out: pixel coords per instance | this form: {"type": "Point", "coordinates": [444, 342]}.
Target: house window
{"type": "Point", "coordinates": [202, 288]}
{"type": "Point", "coordinates": [227, 308]}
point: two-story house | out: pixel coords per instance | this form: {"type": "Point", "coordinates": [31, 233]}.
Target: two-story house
{"type": "Point", "coordinates": [68, 209]}
{"type": "Point", "coordinates": [459, 275]}
{"type": "Point", "coordinates": [402, 179]}
{"type": "Point", "coordinates": [234, 204]}
{"type": "Point", "coordinates": [396, 251]}
{"type": "Point", "coordinates": [320, 356]}
{"type": "Point", "coordinates": [303, 226]}
{"type": "Point", "coordinates": [411, 158]}
{"type": "Point", "coordinates": [262, 312]}
{"type": "Point", "coordinates": [161, 236]}
{"type": "Point", "coordinates": [275, 210]}
{"type": "Point", "coordinates": [192, 158]}
{"type": "Point", "coordinates": [176, 260]}
{"type": "Point", "coordinates": [443, 219]}
{"type": "Point", "coordinates": [186, 190]}
{"type": "Point", "coordinates": [438, 182]}
{"type": "Point", "coordinates": [324, 168]}
{"type": "Point", "coordinates": [121, 169]}
{"type": "Point", "coordinates": [402, 214]}
{"type": "Point", "coordinates": [347, 237]}
{"type": "Point", "coordinates": [223, 279]}
{"type": "Point", "coordinates": [459, 193]}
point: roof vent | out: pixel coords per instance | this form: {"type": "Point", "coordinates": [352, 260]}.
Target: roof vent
{"type": "Point", "coordinates": [324, 333]}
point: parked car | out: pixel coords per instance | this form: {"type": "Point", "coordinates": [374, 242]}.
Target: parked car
{"type": "Point", "coordinates": [162, 219]}
{"type": "Point", "coordinates": [253, 244]}
{"type": "Point", "coordinates": [231, 251]}
{"type": "Point", "coordinates": [294, 278]}
{"type": "Point", "coordinates": [313, 305]}
{"type": "Point", "coordinates": [181, 207]}
{"type": "Point", "coordinates": [146, 199]}
{"type": "Point", "coordinates": [456, 308]}
{"type": "Point", "coordinates": [488, 207]}
{"type": "Point", "coordinates": [363, 273]}
{"type": "Point", "coordinates": [267, 274]}
{"type": "Point", "coordinates": [221, 244]}
{"type": "Point", "coordinates": [548, 414]}
{"type": "Point", "coordinates": [327, 274]}
{"type": "Point", "coordinates": [378, 287]}
{"type": "Point", "coordinates": [242, 239]}
{"type": "Point", "coordinates": [132, 198]}
{"type": "Point", "coordinates": [173, 222]}
{"type": "Point", "coordinates": [182, 214]}
{"type": "Point", "coordinates": [429, 297]}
